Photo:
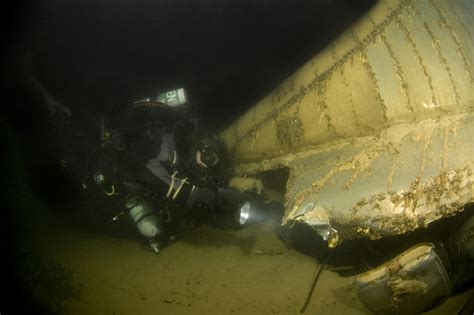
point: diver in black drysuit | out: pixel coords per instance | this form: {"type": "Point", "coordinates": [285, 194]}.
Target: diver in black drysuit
{"type": "Point", "coordinates": [173, 171]}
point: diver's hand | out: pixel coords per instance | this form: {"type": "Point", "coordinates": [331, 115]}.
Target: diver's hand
{"type": "Point", "coordinates": [247, 184]}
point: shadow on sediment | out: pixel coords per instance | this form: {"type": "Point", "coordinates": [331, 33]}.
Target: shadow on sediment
{"type": "Point", "coordinates": [213, 238]}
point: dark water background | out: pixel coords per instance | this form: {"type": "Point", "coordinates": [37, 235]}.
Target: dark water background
{"type": "Point", "coordinates": [96, 56]}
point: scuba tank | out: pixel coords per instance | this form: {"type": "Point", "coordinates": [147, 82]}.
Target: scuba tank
{"type": "Point", "coordinates": [173, 98]}
{"type": "Point", "coordinates": [146, 220]}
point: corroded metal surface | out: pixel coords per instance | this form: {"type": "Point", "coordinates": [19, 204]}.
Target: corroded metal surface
{"type": "Point", "coordinates": [404, 61]}
{"type": "Point", "coordinates": [376, 129]}
{"type": "Point", "coordinates": [417, 274]}
{"type": "Point", "coordinates": [408, 177]}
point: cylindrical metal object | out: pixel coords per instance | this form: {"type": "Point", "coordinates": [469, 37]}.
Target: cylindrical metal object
{"type": "Point", "coordinates": [145, 218]}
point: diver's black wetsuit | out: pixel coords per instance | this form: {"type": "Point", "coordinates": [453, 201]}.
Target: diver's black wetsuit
{"type": "Point", "coordinates": [162, 162]}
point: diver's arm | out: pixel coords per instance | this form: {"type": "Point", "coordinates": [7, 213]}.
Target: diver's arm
{"type": "Point", "coordinates": [180, 189]}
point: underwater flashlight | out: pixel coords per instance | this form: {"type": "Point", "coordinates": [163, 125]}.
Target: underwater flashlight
{"type": "Point", "coordinates": [247, 209]}
{"type": "Point", "coordinates": [244, 213]}
{"type": "Point", "coordinates": [252, 212]}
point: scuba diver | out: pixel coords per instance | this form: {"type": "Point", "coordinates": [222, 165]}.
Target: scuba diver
{"type": "Point", "coordinates": [168, 170]}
